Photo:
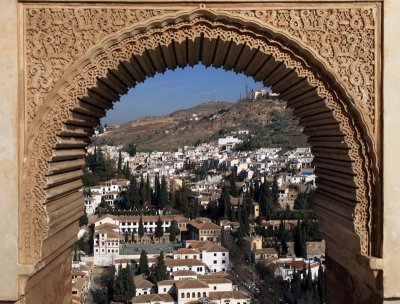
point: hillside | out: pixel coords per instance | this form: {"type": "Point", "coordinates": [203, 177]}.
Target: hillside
{"type": "Point", "coordinates": [269, 122]}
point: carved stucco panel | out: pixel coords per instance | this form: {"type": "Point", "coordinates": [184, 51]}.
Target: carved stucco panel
{"type": "Point", "coordinates": [56, 37]}
{"type": "Point", "coordinates": [67, 97]}
{"type": "Point", "coordinates": [345, 38]}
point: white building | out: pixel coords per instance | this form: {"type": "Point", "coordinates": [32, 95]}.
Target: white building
{"type": "Point", "coordinates": [106, 244]}
{"type": "Point", "coordinates": [213, 255]}
{"type": "Point", "coordinates": [186, 264]}
{"type": "Point", "coordinates": [286, 268]}
{"type": "Point", "coordinates": [214, 289]}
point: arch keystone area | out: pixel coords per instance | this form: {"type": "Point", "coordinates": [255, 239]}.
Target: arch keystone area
{"type": "Point", "coordinates": [323, 58]}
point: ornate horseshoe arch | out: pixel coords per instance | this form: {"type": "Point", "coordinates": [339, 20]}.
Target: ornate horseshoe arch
{"type": "Point", "coordinates": [334, 101]}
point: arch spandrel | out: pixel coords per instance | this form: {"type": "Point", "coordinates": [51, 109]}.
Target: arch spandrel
{"type": "Point", "coordinates": [94, 69]}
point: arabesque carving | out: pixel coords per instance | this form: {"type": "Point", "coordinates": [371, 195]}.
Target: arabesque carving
{"type": "Point", "coordinates": [86, 73]}
{"type": "Point", "coordinates": [56, 37]}
{"type": "Point", "coordinates": [345, 38]}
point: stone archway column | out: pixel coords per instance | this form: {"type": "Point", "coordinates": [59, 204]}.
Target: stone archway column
{"type": "Point", "coordinates": [391, 152]}
{"type": "Point", "coordinates": [10, 103]}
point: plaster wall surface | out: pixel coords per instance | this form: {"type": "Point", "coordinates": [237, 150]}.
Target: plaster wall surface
{"type": "Point", "coordinates": [9, 150]}
{"type": "Point", "coordinates": [391, 150]}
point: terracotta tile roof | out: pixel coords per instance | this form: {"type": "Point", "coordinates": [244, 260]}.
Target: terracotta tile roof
{"type": "Point", "coordinates": [204, 225]}
{"type": "Point", "coordinates": [107, 226]}
{"type": "Point", "coordinates": [150, 298]}
{"type": "Point", "coordinates": [166, 282]}
{"type": "Point", "coordinates": [214, 275]}
{"type": "Point", "coordinates": [265, 251]}
{"type": "Point", "coordinates": [215, 280]}
{"type": "Point", "coordinates": [106, 216]}
{"type": "Point", "coordinates": [183, 262]}
{"type": "Point", "coordinates": [184, 273]}
{"type": "Point", "coordinates": [141, 282]}
{"type": "Point", "coordinates": [186, 251]}
{"type": "Point", "coordinates": [206, 246]}
{"type": "Point", "coordinates": [111, 234]}
{"type": "Point", "coordinates": [220, 295]}
{"type": "Point", "coordinates": [151, 218]}
{"type": "Point", "coordinates": [190, 284]}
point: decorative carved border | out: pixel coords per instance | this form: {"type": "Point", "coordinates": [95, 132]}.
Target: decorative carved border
{"type": "Point", "coordinates": [120, 46]}
{"type": "Point", "coordinates": [344, 38]}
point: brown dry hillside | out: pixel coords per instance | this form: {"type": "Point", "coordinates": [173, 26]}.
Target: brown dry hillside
{"type": "Point", "coordinates": [269, 121]}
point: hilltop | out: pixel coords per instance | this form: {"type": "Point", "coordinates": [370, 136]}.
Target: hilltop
{"type": "Point", "coordinates": [269, 122]}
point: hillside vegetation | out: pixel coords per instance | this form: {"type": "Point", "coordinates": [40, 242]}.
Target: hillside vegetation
{"type": "Point", "coordinates": [270, 123]}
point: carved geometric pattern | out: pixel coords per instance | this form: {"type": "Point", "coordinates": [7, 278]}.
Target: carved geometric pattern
{"type": "Point", "coordinates": [56, 37]}
{"type": "Point", "coordinates": [127, 43]}
{"type": "Point", "coordinates": [344, 38]}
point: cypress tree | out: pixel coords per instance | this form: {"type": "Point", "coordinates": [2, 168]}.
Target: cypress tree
{"type": "Point", "coordinates": [241, 228]}
{"type": "Point", "coordinates": [172, 232]}
{"type": "Point", "coordinates": [160, 271]}
{"type": "Point", "coordinates": [159, 231]}
{"type": "Point", "coordinates": [133, 194]}
{"type": "Point", "coordinates": [300, 244]}
{"type": "Point", "coordinates": [224, 203]}
{"type": "Point", "coordinates": [124, 287]}
{"type": "Point", "coordinates": [127, 171]}
{"type": "Point", "coordinates": [164, 201]}
{"type": "Point", "coordinates": [141, 228]}
{"type": "Point", "coordinates": [232, 215]}
{"type": "Point", "coordinates": [195, 209]}
{"type": "Point", "coordinates": [144, 264]}
{"type": "Point", "coordinates": [246, 225]}
{"type": "Point", "coordinates": [119, 167]}
{"type": "Point", "coordinates": [148, 191]}
{"type": "Point", "coordinates": [321, 284]}
{"type": "Point", "coordinates": [142, 190]}
{"type": "Point", "coordinates": [156, 200]}
{"type": "Point", "coordinates": [275, 192]}
{"type": "Point", "coordinates": [233, 189]}
{"type": "Point", "coordinates": [126, 237]}
{"type": "Point", "coordinates": [256, 196]}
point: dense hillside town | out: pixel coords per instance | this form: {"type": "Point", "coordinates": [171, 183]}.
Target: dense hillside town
{"type": "Point", "coordinates": [216, 222]}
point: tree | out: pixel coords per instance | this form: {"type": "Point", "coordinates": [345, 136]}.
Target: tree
{"type": "Point", "coordinates": [156, 199]}
{"type": "Point", "coordinates": [132, 196]}
{"type": "Point", "coordinates": [172, 232]}
{"type": "Point", "coordinates": [321, 284]}
{"type": "Point", "coordinates": [124, 287]}
{"type": "Point", "coordinates": [144, 264]}
{"type": "Point", "coordinates": [300, 244]}
{"type": "Point", "coordinates": [141, 228]}
{"type": "Point", "coordinates": [142, 190]}
{"type": "Point", "coordinates": [275, 192]}
{"type": "Point", "coordinates": [148, 191]}
{"type": "Point", "coordinates": [160, 271]}
{"type": "Point", "coordinates": [83, 220]}
{"type": "Point", "coordinates": [265, 199]}
{"type": "Point", "coordinates": [224, 203]}
{"type": "Point", "coordinates": [246, 224]}
{"type": "Point", "coordinates": [240, 217]}
{"type": "Point", "coordinates": [126, 237]}
{"type": "Point", "coordinates": [127, 171]}
{"type": "Point", "coordinates": [233, 189]}
{"type": "Point", "coordinates": [164, 201]}
{"type": "Point", "coordinates": [159, 231]}
{"type": "Point", "coordinates": [131, 148]}
{"type": "Point", "coordinates": [119, 167]}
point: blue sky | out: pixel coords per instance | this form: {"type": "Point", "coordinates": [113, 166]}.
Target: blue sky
{"type": "Point", "coordinates": [174, 90]}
